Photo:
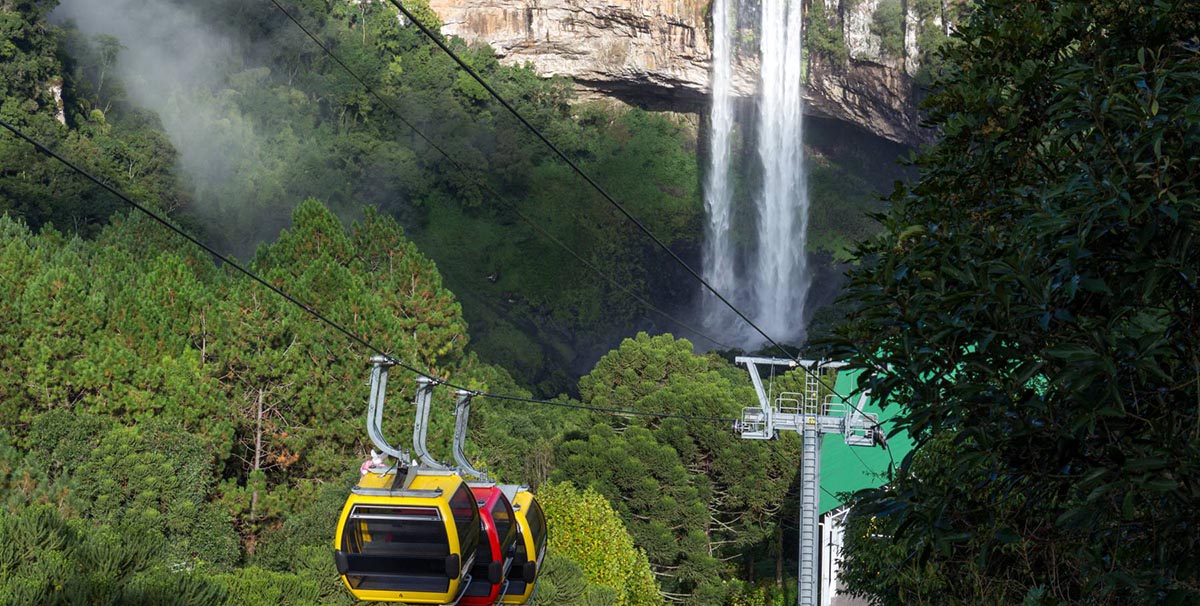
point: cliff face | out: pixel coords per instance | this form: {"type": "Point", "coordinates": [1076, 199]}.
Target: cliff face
{"type": "Point", "coordinates": [873, 85]}
{"type": "Point", "coordinates": [647, 52]}
{"type": "Point", "coordinates": [878, 98]}
{"type": "Point", "coordinates": [656, 53]}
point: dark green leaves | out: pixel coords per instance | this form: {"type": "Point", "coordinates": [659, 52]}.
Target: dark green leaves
{"type": "Point", "coordinates": [1049, 323]}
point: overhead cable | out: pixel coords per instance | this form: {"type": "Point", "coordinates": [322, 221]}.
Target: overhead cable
{"type": "Point", "coordinates": [441, 43]}
{"type": "Point", "coordinates": [488, 187]}
{"type": "Point", "coordinates": [318, 315]}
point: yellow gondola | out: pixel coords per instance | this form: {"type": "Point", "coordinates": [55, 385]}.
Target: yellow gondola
{"type": "Point", "coordinates": [531, 545]}
{"type": "Point", "coordinates": [408, 538]}
{"type": "Point", "coordinates": [409, 534]}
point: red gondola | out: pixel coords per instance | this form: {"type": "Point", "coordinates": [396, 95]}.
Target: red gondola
{"type": "Point", "coordinates": [497, 547]}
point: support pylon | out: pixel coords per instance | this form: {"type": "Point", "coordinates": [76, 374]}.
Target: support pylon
{"type": "Point", "coordinates": [810, 538]}
{"type": "Point", "coordinates": [807, 415]}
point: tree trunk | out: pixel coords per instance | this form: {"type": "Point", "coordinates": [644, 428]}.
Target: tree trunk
{"type": "Point", "coordinates": [779, 556]}
{"type": "Point", "coordinates": [255, 466]}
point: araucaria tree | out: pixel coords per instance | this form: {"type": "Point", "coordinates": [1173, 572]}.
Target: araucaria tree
{"type": "Point", "coordinates": [1033, 306]}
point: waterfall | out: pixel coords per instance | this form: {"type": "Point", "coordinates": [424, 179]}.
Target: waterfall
{"type": "Point", "coordinates": [780, 272]}
{"type": "Point", "coordinates": [718, 194]}
{"type": "Point", "coordinates": [774, 280]}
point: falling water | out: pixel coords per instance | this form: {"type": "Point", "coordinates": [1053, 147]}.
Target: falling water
{"type": "Point", "coordinates": [780, 272]}
{"type": "Point", "coordinates": [718, 196]}
{"type": "Point", "coordinates": [777, 281]}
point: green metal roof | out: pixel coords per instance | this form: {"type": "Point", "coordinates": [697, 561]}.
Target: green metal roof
{"type": "Point", "coordinates": [846, 469]}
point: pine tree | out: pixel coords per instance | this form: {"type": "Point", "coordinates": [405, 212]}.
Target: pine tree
{"type": "Point", "coordinates": [45, 559]}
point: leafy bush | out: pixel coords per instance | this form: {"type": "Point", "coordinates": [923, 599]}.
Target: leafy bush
{"type": "Point", "coordinates": [586, 531]}
{"type": "Point", "coordinates": [253, 586]}
{"type": "Point", "coordinates": [157, 478]}
{"type": "Point", "coordinates": [50, 561]}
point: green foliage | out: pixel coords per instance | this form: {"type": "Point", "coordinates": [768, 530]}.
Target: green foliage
{"type": "Point", "coordinates": [1032, 303]}
{"type": "Point", "coordinates": [639, 368]}
{"type": "Point", "coordinates": [45, 559]}
{"type": "Point", "coordinates": [689, 491]}
{"type": "Point", "coordinates": [253, 586]}
{"type": "Point", "coordinates": [934, 21]}
{"type": "Point", "coordinates": [906, 580]}
{"type": "Point", "coordinates": [152, 390]}
{"type": "Point", "coordinates": [841, 207]}
{"type": "Point", "coordinates": [588, 533]}
{"type": "Point", "coordinates": [300, 545]}
{"type": "Point", "coordinates": [37, 92]}
{"type": "Point", "coordinates": [561, 581]}
{"type": "Point", "coordinates": [295, 125]}
{"type": "Point", "coordinates": [61, 437]}
{"type": "Point", "coordinates": [774, 593]}
{"type": "Point", "coordinates": [848, 173]}
{"type": "Point", "coordinates": [298, 126]}
{"type": "Point", "coordinates": [538, 290]}
{"type": "Point", "coordinates": [27, 479]}
{"type": "Point", "coordinates": [823, 34]}
{"type": "Point", "coordinates": [27, 61]}
{"type": "Point", "coordinates": [887, 22]}
{"type": "Point", "coordinates": [157, 477]}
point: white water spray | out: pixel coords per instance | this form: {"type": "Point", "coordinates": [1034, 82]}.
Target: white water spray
{"type": "Point", "coordinates": [718, 194]}
{"type": "Point", "coordinates": [777, 282]}
{"type": "Point", "coordinates": [780, 274]}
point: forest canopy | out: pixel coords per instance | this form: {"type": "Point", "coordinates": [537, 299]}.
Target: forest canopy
{"type": "Point", "coordinates": [169, 415]}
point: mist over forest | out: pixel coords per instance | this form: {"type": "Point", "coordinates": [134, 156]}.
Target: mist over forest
{"type": "Point", "coordinates": [257, 130]}
{"type": "Point", "coordinates": [1016, 300]}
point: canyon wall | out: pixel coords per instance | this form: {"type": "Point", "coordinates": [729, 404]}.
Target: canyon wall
{"type": "Point", "coordinates": [656, 54]}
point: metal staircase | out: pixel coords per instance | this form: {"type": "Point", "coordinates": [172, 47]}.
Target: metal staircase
{"type": "Point", "coordinates": [810, 470]}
